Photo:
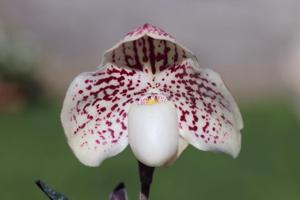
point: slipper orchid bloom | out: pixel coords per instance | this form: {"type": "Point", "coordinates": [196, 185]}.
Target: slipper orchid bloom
{"type": "Point", "coordinates": [149, 92]}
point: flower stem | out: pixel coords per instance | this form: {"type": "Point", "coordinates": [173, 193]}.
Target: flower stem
{"type": "Point", "coordinates": [146, 174]}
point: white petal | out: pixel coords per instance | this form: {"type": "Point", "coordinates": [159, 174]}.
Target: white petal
{"type": "Point", "coordinates": [153, 133]}
{"type": "Point", "coordinates": [95, 111]}
{"type": "Point", "coordinates": [209, 118]}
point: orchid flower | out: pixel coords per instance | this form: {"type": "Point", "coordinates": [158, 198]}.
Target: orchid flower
{"type": "Point", "coordinates": [149, 92]}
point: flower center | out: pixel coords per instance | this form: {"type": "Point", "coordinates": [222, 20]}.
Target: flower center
{"type": "Point", "coordinates": [152, 101]}
{"type": "Point", "coordinates": [152, 98]}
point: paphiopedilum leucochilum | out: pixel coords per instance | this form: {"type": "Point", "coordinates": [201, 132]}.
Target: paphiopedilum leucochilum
{"type": "Point", "coordinates": [149, 92]}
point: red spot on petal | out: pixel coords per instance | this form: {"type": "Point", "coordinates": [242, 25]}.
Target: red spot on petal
{"type": "Point", "coordinates": [108, 123]}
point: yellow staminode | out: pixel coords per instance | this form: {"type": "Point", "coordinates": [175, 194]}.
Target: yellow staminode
{"type": "Point", "coordinates": [152, 101]}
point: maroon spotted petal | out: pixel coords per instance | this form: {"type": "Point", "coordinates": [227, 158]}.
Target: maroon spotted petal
{"type": "Point", "coordinates": [209, 118]}
{"type": "Point", "coordinates": [147, 48]}
{"type": "Point", "coordinates": [94, 114]}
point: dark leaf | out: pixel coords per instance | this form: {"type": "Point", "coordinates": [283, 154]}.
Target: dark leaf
{"type": "Point", "coordinates": [119, 193]}
{"type": "Point", "coordinates": [51, 193]}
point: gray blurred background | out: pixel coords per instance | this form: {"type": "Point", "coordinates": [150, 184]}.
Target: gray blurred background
{"type": "Point", "coordinates": [248, 42]}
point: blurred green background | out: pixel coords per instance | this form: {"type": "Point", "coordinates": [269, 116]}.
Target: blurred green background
{"type": "Point", "coordinates": [33, 147]}
{"type": "Point", "coordinates": [254, 45]}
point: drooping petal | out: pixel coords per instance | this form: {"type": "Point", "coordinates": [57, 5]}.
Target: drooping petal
{"type": "Point", "coordinates": [209, 118]}
{"type": "Point", "coordinates": [182, 145]}
{"type": "Point", "coordinates": [153, 133]}
{"type": "Point", "coordinates": [95, 111]}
